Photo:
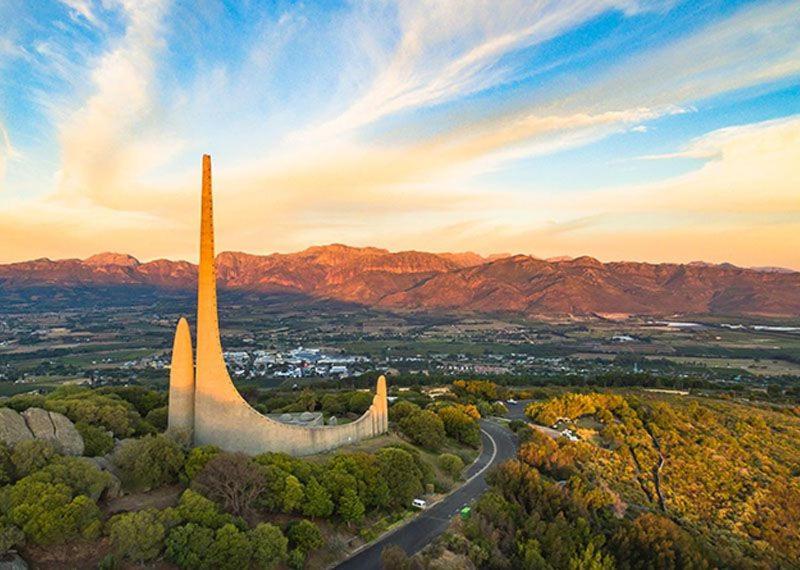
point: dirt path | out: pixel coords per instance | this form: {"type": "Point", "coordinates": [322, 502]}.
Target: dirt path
{"type": "Point", "coordinates": [555, 434]}
{"type": "Point", "coordinates": [657, 469]}
{"type": "Point", "coordinates": [158, 499]}
{"type": "Point", "coordinates": [639, 469]}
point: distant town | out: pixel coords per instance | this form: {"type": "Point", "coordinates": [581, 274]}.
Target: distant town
{"type": "Point", "coordinates": [274, 344]}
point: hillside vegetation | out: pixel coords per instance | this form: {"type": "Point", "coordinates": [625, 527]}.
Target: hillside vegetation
{"type": "Point", "coordinates": [652, 482]}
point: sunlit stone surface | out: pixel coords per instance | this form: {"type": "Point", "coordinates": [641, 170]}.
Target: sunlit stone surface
{"type": "Point", "coordinates": [216, 413]}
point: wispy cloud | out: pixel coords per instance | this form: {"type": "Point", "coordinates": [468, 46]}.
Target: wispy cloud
{"type": "Point", "coordinates": [83, 9]}
{"type": "Point", "coordinates": [111, 135]}
{"type": "Point", "coordinates": [7, 152]}
{"type": "Point", "coordinates": [359, 123]}
{"type": "Point", "coordinates": [456, 48]}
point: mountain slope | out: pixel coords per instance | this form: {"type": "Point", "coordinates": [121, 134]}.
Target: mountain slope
{"type": "Point", "coordinates": [426, 281]}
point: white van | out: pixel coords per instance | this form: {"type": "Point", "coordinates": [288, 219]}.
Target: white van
{"type": "Point", "coordinates": [419, 503]}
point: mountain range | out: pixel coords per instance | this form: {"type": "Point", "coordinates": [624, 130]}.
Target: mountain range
{"type": "Point", "coordinates": [414, 280]}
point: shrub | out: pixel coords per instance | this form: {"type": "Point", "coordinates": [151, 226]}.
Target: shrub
{"type": "Point", "coordinates": [359, 402]}
{"type": "Point", "coordinates": [451, 464]}
{"type": "Point", "coordinates": [274, 496]}
{"type": "Point", "coordinates": [393, 557]}
{"type": "Point", "coordinates": [97, 441]}
{"type": "Point", "coordinates": [194, 546]}
{"type": "Point", "coordinates": [150, 462]}
{"type": "Point", "coordinates": [188, 545]}
{"type": "Point", "coordinates": [424, 428]}
{"type": "Point", "coordinates": [305, 535]}
{"type": "Point", "coordinates": [7, 470]}
{"type": "Point", "coordinates": [332, 405]}
{"type": "Point", "coordinates": [499, 409]}
{"type": "Point", "coordinates": [31, 455]}
{"type": "Point", "coordinates": [157, 417]}
{"type": "Point", "coordinates": [232, 480]}
{"type": "Point", "coordinates": [268, 544]}
{"type": "Point", "coordinates": [80, 475]}
{"type": "Point", "coordinates": [49, 514]}
{"type": "Point", "coordinates": [197, 459]}
{"type": "Point", "coordinates": [10, 537]}
{"type": "Point", "coordinates": [93, 407]}
{"type": "Point", "coordinates": [138, 536]}
{"type": "Point", "coordinates": [296, 559]}
{"type": "Point", "coordinates": [231, 549]}
{"type": "Point", "coordinates": [143, 399]}
{"type": "Point", "coordinates": [651, 540]}
{"type": "Point", "coordinates": [22, 402]}
{"type": "Point", "coordinates": [481, 389]}
{"type": "Point", "coordinates": [195, 508]}
{"type": "Point", "coordinates": [402, 409]}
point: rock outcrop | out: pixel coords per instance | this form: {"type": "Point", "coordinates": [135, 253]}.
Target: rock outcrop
{"type": "Point", "coordinates": [66, 435]}
{"type": "Point", "coordinates": [114, 488]}
{"type": "Point", "coordinates": [36, 423]}
{"type": "Point", "coordinates": [13, 561]}
{"type": "Point", "coordinates": [13, 428]}
{"type": "Point", "coordinates": [39, 423]}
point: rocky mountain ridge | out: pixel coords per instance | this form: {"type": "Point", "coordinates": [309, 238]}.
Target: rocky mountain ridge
{"type": "Point", "coordinates": [414, 280]}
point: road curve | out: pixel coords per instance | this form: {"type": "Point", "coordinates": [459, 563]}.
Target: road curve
{"type": "Point", "coordinates": [499, 445]}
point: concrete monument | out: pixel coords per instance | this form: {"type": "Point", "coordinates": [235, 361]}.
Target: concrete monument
{"type": "Point", "coordinates": [204, 405]}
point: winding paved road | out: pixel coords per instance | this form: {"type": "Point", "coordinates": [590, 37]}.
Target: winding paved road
{"type": "Point", "coordinates": [499, 444]}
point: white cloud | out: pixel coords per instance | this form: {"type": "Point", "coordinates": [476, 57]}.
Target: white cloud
{"type": "Point", "coordinates": [454, 48]}
{"type": "Point", "coordinates": [110, 137]}
{"type": "Point", "coordinates": [7, 153]}
{"type": "Point", "coordinates": [84, 9]}
{"type": "Point", "coordinates": [124, 143]}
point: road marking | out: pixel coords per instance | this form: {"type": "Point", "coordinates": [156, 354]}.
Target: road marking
{"type": "Point", "coordinates": [491, 459]}
{"type": "Point", "coordinates": [427, 513]}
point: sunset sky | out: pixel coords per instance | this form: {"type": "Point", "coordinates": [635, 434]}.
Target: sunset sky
{"type": "Point", "coordinates": [640, 130]}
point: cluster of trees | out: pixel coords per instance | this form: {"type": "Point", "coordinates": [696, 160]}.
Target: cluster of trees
{"type": "Point", "coordinates": [479, 390]}
{"type": "Point", "coordinates": [780, 389]}
{"type": "Point", "coordinates": [529, 521]}
{"type": "Point", "coordinates": [571, 406]}
{"type": "Point", "coordinates": [431, 426]}
{"type": "Point", "coordinates": [338, 404]}
{"type": "Point", "coordinates": [124, 411]}
{"type": "Point", "coordinates": [197, 534]}
{"type": "Point", "coordinates": [728, 471]}
{"type": "Point", "coordinates": [346, 487]}
{"type": "Point", "coordinates": [48, 498]}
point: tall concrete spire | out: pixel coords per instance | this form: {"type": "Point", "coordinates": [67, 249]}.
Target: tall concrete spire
{"type": "Point", "coordinates": [221, 416]}
{"type": "Point", "coordinates": [208, 340]}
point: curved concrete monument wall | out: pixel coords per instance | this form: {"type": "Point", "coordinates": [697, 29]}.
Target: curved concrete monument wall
{"type": "Point", "coordinates": [220, 415]}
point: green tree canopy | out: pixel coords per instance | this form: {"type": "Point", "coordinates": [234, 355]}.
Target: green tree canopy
{"type": "Point", "coordinates": [269, 545]}
{"type": "Point", "coordinates": [150, 462]}
{"type": "Point", "coordinates": [305, 535]}
{"type": "Point", "coordinates": [424, 428]}
{"type": "Point", "coordinates": [138, 536]}
{"type": "Point", "coordinates": [317, 500]}
{"type": "Point", "coordinates": [402, 475]}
